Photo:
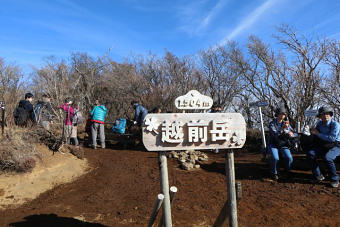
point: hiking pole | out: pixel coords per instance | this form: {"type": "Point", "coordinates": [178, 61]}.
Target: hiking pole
{"type": "Point", "coordinates": [68, 128]}
{"type": "Point", "coordinates": [2, 106]}
{"type": "Point", "coordinates": [62, 133]}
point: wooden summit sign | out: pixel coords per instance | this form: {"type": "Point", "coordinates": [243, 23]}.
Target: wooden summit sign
{"type": "Point", "coordinates": [182, 131]}
{"type": "Point", "coordinates": [193, 100]}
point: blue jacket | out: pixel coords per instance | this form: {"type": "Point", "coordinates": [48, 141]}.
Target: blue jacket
{"type": "Point", "coordinates": [329, 132]}
{"type": "Point", "coordinates": [98, 114]}
{"type": "Point", "coordinates": [140, 113]}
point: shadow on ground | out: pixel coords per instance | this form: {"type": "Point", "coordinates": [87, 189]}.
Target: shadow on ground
{"type": "Point", "coordinates": [259, 170]}
{"type": "Point", "coordinates": [52, 220]}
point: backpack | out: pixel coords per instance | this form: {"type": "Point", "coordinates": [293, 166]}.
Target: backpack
{"type": "Point", "coordinates": [119, 126]}
{"type": "Point", "coordinates": [37, 112]}
{"type": "Point", "coordinates": [77, 117]}
{"type": "Point", "coordinates": [20, 116]}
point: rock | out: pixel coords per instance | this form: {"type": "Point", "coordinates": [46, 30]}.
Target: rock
{"type": "Point", "coordinates": [202, 159]}
{"type": "Point", "coordinates": [197, 166]}
{"type": "Point", "coordinates": [192, 152]}
{"type": "Point", "coordinates": [187, 166]}
{"type": "Point", "coordinates": [183, 155]}
{"type": "Point", "coordinates": [193, 161]}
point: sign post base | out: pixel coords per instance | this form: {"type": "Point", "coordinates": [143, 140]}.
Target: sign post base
{"type": "Point", "coordinates": [165, 189]}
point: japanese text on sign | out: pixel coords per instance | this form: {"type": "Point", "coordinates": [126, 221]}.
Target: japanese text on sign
{"type": "Point", "coordinates": [183, 131]}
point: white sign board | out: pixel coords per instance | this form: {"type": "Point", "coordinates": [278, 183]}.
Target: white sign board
{"type": "Point", "coordinates": [182, 131]}
{"type": "Point", "coordinates": [311, 113]}
{"type": "Point", "coordinates": [193, 100]}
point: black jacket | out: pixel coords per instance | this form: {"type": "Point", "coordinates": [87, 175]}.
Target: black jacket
{"type": "Point", "coordinates": [28, 107]}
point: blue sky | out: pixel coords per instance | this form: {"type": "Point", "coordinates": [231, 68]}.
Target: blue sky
{"type": "Point", "coordinates": [33, 29]}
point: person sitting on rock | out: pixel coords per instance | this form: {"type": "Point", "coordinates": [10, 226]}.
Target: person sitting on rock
{"type": "Point", "coordinates": [326, 143]}
{"type": "Point", "coordinates": [279, 134]}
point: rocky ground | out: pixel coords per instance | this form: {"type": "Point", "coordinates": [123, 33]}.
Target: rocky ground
{"type": "Point", "coordinates": [122, 187]}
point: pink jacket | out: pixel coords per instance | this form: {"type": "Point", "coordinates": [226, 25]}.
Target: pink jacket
{"type": "Point", "coordinates": [69, 111]}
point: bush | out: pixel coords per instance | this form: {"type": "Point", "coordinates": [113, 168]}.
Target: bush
{"type": "Point", "coordinates": [17, 150]}
{"type": "Point", "coordinates": [254, 141]}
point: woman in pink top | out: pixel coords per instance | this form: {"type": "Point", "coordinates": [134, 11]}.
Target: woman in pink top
{"type": "Point", "coordinates": [70, 130]}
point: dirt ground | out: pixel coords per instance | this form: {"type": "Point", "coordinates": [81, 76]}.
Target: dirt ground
{"type": "Point", "coordinates": [51, 170]}
{"type": "Point", "coordinates": [122, 187]}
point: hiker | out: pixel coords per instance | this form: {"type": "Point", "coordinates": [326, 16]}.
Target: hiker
{"type": "Point", "coordinates": [326, 144]}
{"type": "Point", "coordinates": [43, 112]}
{"type": "Point", "coordinates": [98, 115]}
{"type": "Point", "coordinates": [280, 133]}
{"type": "Point", "coordinates": [70, 129]}
{"type": "Point", "coordinates": [140, 113]}
{"type": "Point", "coordinates": [157, 109]}
{"type": "Point", "coordinates": [88, 130]}
{"type": "Point", "coordinates": [216, 108]}
{"type": "Point", "coordinates": [23, 114]}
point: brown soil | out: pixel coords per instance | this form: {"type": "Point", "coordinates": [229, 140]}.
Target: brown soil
{"type": "Point", "coordinates": [123, 185]}
{"type": "Point", "coordinates": [51, 170]}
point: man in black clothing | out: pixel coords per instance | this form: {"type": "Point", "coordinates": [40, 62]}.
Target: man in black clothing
{"type": "Point", "coordinates": [23, 114]}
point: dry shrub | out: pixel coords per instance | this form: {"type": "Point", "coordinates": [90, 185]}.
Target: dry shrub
{"type": "Point", "coordinates": [52, 139]}
{"type": "Point", "coordinates": [254, 140]}
{"type": "Point", "coordinates": [17, 150]}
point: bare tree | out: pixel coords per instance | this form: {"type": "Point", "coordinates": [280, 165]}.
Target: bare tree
{"type": "Point", "coordinates": [292, 81]}
{"type": "Point", "coordinates": [221, 73]}
{"type": "Point", "coordinates": [11, 87]}
{"type": "Point", "coordinates": [330, 89]}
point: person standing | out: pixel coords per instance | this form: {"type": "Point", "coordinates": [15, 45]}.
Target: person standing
{"type": "Point", "coordinates": [280, 133]}
{"type": "Point", "coordinates": [70, 130]}
{"type": "Point", "coordinates": [326, 143]}
{"type": "Point", "coordinates": [140, 113]}
{"type": "Point", "coordinates": [23, 114]}
{"type": "Point", "coordinates": [98, 115]}
{"type": "Point", "coordinates": [43, 112]}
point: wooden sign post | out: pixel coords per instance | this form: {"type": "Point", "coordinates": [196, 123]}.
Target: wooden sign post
{"type": "Point", "coordinates": [183, 131]}
{"type": "Point", "coordinates": [2, 107]}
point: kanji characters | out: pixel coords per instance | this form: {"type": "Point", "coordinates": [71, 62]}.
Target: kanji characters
{"type": "Point", "coordinates": [198, 131]}
{"type": "Point", "coordinates": [172, 132]}
{"type": "Point", "coordinates": [219, 130]}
